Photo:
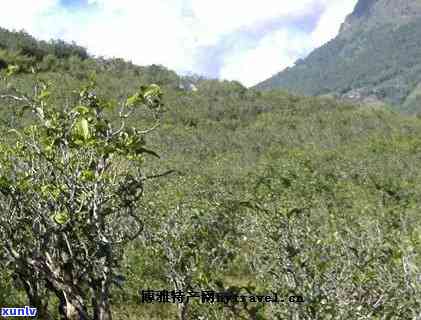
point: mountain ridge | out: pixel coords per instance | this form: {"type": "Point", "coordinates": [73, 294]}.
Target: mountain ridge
{"type": "Point", "coordinates": [375, 58]}
{"type": "Point", "coordinates": [377, 12]}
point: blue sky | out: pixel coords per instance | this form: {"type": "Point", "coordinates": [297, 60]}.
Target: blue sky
{"type": "Point", "coordinates": [244, 40]}
{"type": "Point", "coordinates": [73, 3]}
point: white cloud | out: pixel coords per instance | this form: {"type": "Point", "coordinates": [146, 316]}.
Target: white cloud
{"type": "Point", "coordinates": [175, 32]}
{"type": "Point", "coordinates": [282, 48]}
{"type": "Point", "coordinates": [23, 14]}
{"type": "Point", "coordinates": [329, 23]}
{"type": "Point", "coordinates": [273, 53]}
{"type": "Point", "coordinates": [221, 16]}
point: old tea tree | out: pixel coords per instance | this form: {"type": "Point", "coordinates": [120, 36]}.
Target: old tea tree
{"type": "Point", "coordinates": [70, 185]}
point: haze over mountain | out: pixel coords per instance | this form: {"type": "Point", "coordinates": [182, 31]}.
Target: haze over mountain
{"type": "Point", "coordinates": [376, 57]}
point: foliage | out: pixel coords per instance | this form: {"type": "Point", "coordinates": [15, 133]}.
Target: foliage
{"type": "Point", "coordinates": [383, 61]}
{"type": "Point", "coordinates": [67, 210]}
{"type": "Point", "coordinates": [27, 45]}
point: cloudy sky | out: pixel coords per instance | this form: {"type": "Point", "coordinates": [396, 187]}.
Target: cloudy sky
{"type": "Point", "coordinates": [244, 40]}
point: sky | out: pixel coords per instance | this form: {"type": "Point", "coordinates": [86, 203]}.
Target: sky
{"type": "Point", "coordinates": [243, 40]}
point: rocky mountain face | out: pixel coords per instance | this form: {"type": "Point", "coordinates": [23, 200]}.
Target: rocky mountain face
{"type": "Point", "coordinates": [369, 13]}
{"type": "Point", "coordinates": [375, 58]}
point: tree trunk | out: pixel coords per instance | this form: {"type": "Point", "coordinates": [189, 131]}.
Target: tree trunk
{"type": "Point", "coordinates": [36, 298]}
{"type": "Point", "coordinates": [183, 311]}
{"type": "Point", "coordinates": [102, 309]}
{"type": "Point", "coordinates": [71, 308]}
{"type": "Point", "coordinates": [42, 307]}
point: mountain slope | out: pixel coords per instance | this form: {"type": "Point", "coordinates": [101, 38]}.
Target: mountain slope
{"type": "Point", "coordinates": [369, 13]}
{"type": "Point", "coordinates": [375, 57]}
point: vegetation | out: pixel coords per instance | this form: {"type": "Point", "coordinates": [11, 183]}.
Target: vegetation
{"type": "Point", "coordinates": [68, 211]}
{"type": "Point", "coordinates": [382, 62]}
{"type": "Point", "coordinates": [269, 192]}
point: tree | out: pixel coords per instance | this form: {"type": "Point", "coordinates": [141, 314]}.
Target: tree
{"type": "Point", "coordinates": [70, 190]}
{"type": "Point", "coordinates": [197, 243]}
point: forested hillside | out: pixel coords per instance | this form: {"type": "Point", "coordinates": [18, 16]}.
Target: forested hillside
{"type": "Point", "coordinates": [375, 58]}
{"type": "Point", "coordinates": [236, 191]}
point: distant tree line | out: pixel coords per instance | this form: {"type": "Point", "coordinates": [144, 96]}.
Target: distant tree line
{"type": "Point", "coordinates": [26, 44]}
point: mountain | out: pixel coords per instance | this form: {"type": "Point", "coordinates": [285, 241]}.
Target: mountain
{"type": "Point", "coordinates": [371, 13]}
{"type": "Point", "coordinates": [376, 57]}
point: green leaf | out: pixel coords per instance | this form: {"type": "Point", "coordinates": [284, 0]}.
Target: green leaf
{"type": "Point", "coordinates": [85, 128]}
{"type": "Point", "coordinates": [133, 100]}
{"type": "Point", "coordinates": [61, 217]}
{"type": "Point", "coordinates": [78, 142]}
{"type": "Point", "coordinates": [81, 110]}
{"type": "Point", "coordinates": [12, 69]}
{"type": "Point", "coordinates": [88, 175]}
{"type": "Point", "coordinates": [44, 94]}
{"type": "Point", "coordinates": [82, 129]}
{"type": "Point", "coordinates": [152, 91]}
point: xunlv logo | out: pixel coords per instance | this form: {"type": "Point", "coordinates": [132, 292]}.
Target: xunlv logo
{"type": "Point", "coordinates": [19, 312]}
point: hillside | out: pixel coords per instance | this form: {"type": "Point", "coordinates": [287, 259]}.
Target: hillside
{"type": "Point", "coordinates": [375, 58]}
{"type": "Point", "coordinates": [270, 192]}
